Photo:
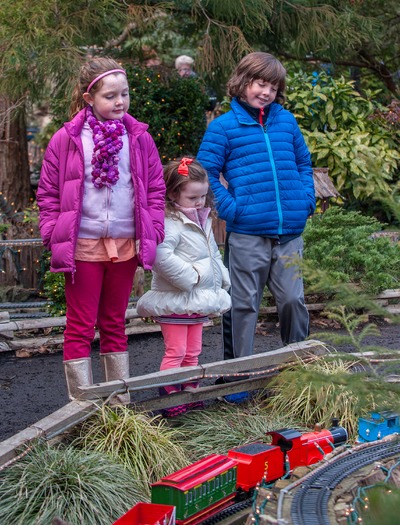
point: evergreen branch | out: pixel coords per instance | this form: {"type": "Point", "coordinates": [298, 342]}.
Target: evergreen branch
{"type": "Point", "coordinates": [144, 17]}
{"type": "Point", "coordinates": [221, 44]}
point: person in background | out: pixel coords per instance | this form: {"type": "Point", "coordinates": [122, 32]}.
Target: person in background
{"type": "Point", "coordinates": [184, 66]}
{"type": "Point", "coordinates": [189, 278]}
{"type": "Point", "coordinates": [101, 201]}
{"type": "Point", "coordinates": [259, 149]}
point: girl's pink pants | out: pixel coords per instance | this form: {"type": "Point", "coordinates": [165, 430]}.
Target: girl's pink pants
{"type": "Point", "coordinates": [183, 344]}
{"type": "Point", "coordinates": [99, 296]}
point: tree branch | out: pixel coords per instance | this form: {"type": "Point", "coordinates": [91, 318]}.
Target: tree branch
{"type": "Point", "coordinates": [122, 37]}
{"type": "Point", "coordinates": [366, 62]}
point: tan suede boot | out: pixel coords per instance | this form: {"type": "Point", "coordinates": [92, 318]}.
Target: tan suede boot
{"type": "Point", "coordinates": [116, 366]}
{"type": "Point", "coordinates": [78, 372]}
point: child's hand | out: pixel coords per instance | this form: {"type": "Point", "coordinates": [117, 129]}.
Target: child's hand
{"type": "Point", "coordinates": [148, 320]}
{"type": "Point", "coordinates": [226, 284]}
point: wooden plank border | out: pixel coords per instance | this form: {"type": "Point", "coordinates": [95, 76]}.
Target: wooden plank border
{"type": "Point", "coordinates": [259, 366]}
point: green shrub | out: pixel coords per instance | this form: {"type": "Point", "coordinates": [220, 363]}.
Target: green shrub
{"type": "Point", "coordinates": [340, 243]}
{"type": "Point", "coordinates": [54, 289]}
{"type": "Point", "coordinates": [173, 107]}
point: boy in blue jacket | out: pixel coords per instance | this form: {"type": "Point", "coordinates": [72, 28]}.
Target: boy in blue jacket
{"type": "Point", "coordinates": [259, 149]}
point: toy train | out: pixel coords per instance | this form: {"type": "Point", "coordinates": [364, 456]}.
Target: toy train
{"type": "Point", "coordinates": [378, 426]}
{"type": "Point", "coordinates": [206, 487]}
{"type": "Point", "coordinates": [148, 514]}
{"type": "Point", "coordinates": [215, 482]}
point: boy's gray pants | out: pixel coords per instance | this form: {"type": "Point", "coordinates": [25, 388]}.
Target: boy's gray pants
{"type": "Point", "coordinates": [254, 262]}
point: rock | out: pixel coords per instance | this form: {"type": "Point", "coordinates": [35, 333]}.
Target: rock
{"type": "Point", "coordinates": [23, 353]}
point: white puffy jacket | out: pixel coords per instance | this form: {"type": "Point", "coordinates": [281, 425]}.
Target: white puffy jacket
{"type": "Point", "coordinates": [189, 276]}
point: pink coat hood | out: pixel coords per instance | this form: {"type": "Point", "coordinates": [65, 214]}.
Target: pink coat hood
{"type": "Point", "coordinates": [60, 192]}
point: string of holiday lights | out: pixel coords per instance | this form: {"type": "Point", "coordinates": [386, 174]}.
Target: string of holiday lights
{"type": "Point", "coordinates": [361, 501]}
{"type": "Point", "coordinates": [15, 258]}
{"type": "Point", "coordinates": [21, 242]}
{"type": "Point", "coordinates": [270, 370]}
{"type": "Point", "coordinates": [13, 246]}
{"type": "Point", "coordinates": [258, 509]}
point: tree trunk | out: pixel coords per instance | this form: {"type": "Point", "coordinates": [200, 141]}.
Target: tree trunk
{"type": "Point", "coordinates": [15, 185]}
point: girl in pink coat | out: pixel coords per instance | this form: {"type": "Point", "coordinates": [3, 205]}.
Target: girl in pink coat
{"type": "Point", "coordinates": [101, 203]}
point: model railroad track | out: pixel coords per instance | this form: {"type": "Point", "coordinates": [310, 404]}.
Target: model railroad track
{"type": "Point", "coordinates": [229, 511]}
{"type": "Point", "coordinates": [310, 501]}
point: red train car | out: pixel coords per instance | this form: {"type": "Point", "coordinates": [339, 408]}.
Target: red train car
{"type": "Point", "coordinates": [257, 461]}
{"type": "Point", "coordinates": [148, 514]}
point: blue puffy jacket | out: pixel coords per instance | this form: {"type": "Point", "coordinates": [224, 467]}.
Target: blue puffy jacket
{"type": "Point", "coordinates": [268, 170]}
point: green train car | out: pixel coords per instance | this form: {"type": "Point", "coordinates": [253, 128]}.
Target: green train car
{"type": "Point", "coordinates": [199, 490]}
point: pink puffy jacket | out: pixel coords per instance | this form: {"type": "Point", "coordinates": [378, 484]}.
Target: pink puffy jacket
{"type": "Point", "coordinates": [60, 192]}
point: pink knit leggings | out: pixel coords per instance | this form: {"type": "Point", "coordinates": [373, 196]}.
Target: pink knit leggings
{"type": "Point", "coordinates": [182, 344]}
{"type": "Point", "coordinates": [99, 295]}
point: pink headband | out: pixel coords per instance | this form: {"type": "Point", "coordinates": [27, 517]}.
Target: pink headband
{"type": "Point", "coordinates": [93, 82]}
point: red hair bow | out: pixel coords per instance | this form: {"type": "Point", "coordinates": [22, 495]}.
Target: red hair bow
{"type": "Point", "coordinates": [183, 166]}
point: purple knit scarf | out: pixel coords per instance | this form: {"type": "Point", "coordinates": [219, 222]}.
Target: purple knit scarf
{"type": "Point", "coordinates": [107, 144]}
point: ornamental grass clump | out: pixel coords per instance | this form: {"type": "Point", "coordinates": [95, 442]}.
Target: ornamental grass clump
{"type": "Point", "coordinates": [145, 445]}
{"type": "Point", "coordinates": [222, 427]}
{"type": "Point", "coordinates": [78, 487]}
{"type": "Point", "coordinates": [326, 388]}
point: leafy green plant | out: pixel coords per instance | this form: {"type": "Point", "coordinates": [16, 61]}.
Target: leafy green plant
{"type": "Point", "coordinates": [31, 215]}
{"type": "Point", "coordinates": [145, 445]}
{"type": "Point", "coordinates": [340, 245]}
{"type": "Point", "coordinates": [83, 488]}
{"type": "Point", "coordinates": [361, 154]}
{"type": "Point", "coordinates": [4, 228]}
{"type": "Point", "coordinates": [54, 290]}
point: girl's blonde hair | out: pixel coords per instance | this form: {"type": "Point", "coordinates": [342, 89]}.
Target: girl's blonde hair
{"type": "Point", "coordinates": [257, 66]}
{"type": "Point", "coordinates": [175, 182]}
{"type": "Point", "coordinates": [88, 72]}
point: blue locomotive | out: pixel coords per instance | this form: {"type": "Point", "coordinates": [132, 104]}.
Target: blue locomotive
{"type": "Point", "coordinates": [378, 426]}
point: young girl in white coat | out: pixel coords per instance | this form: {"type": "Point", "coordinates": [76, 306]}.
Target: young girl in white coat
{"type": "Point", "coordinates": [190, 281]}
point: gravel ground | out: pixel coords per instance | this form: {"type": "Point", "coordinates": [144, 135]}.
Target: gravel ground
{"type": "Point", "coordinates": [32, 388]}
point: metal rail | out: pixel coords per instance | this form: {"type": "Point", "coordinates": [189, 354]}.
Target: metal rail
{"type": "Point", "coordinates": [310, 500]}
{"type": "Point", "coordinates": [228, 512]}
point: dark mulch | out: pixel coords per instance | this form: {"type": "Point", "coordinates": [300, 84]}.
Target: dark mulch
{"type": "Point", "coordinates": [34, 387]}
